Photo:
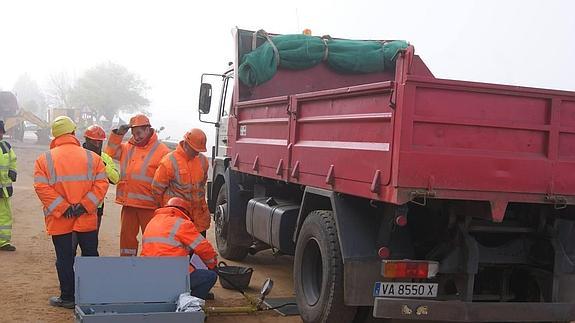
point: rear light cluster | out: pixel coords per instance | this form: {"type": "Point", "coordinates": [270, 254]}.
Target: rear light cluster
{"type": "Point", "coordinates": [409, 269]}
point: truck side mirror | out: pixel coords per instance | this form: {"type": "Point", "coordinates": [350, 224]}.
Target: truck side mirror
{"type": "Point", "coordinates": [205, 98]}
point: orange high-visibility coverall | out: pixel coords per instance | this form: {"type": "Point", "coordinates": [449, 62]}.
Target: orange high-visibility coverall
{"type": "Point", "coordinates": [134, 191]}
{"type": "Point", "coordinates": [180, 176]}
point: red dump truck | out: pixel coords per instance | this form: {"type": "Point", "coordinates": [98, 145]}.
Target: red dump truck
{"type": "Point", "coordinates": [399, 195]}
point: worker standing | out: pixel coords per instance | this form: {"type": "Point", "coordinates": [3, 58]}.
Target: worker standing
{"type": "Point", "coordinates": [70, 182]}
{"type": "Point", "coordinates": [183, 173]}
{"type": "Point", "coordinates": [94, 137]}
{"type": "Point", "coordinates": [7, 177]}
{"type": "Point", "coordinates": [171, 234]}
{"type": "Point", "coordinates": [139, 158]}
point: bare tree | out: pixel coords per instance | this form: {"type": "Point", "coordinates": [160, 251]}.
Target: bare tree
{"type": "Point", "coordinates": [59, 90]}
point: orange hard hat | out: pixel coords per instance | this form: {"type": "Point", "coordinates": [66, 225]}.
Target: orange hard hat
{"type": "Point", "coordinates": [179, 203]}
{"type": "Point", "coordinates": [196, 139]}
{"type": "Point", "coordinates": [95, 132]}
{"type": "Point", "coordinates": [139, 120]}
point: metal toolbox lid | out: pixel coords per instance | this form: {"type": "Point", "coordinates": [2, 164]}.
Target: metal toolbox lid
{"type": "Point", "coordinates": [112, 280]}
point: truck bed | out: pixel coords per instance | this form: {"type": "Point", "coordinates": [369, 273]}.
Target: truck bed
{"type": "Point", "coordinates": [409, 136]}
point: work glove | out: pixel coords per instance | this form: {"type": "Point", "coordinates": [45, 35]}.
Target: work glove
{"type": "Point", "coordinates": [12, 174]}
{"type": "Point", "coordinates": [69, 213]}
{"type": "Point", "coordinates": [122, 130]}
{"type": "Point", "coordinates": [79, 209]}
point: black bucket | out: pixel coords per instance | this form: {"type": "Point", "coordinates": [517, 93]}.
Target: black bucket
{"type": "Point", "coordinates": [234, 277]}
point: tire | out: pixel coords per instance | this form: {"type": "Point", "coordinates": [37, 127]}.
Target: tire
{"type": "Point", "coordinates": [225, 248]}
{"type": "Point", "coordinates": [318, 272]}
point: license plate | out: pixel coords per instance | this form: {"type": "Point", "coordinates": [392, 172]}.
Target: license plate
{"type": "Point", "coordinates": [405, 289]}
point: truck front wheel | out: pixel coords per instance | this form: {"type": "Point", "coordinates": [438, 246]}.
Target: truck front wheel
{"type": "Point", "coordinates": [221, 218]}
{"type": "Point", "coordinates": [318, 271]}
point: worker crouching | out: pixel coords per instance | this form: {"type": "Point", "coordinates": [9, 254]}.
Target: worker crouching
{"type": "Point", "coordinates": [171, 233]}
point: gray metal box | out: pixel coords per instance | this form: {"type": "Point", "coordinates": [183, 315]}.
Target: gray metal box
{"type": "Point", "coordinates": [132, 289]}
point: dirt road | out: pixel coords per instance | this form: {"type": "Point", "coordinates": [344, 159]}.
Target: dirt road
{"type": "Point", "coordinates": [28, 276]}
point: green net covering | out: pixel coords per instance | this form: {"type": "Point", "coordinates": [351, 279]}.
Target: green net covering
{"type": "Point", "coordinates": [302, 51]}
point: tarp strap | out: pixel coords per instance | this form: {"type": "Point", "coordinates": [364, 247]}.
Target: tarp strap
{"type": "Point", "coordinates": [326, 49]}
{"type": "Point", "coordinates": [265, 35]}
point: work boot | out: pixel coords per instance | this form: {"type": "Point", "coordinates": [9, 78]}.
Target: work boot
{"type": "Point", "coordinates": [58, 302]}
{"type": "Point", "coordinates": [210, 296]}
{"type": "Point", "coordinates": [7, 247]}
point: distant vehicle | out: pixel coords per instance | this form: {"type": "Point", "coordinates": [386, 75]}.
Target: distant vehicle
{"type": "Point", "coordinates": [397, 192]}
{"type": "Point", "coordinates": [15, 117]}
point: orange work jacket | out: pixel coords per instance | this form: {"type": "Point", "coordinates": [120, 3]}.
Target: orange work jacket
{"type": "Point", "coordinates": [69, 174]}
{"type": "Point", "coordinates": [137, 168]}
{"type": "Point", "coordinates": [171, 234]}
{"type": "Point", "coordinates": [180, 176]}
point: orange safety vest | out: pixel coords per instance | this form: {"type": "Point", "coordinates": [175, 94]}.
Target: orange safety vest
{"type": "Point", "coordinates": [137, 168]}
{"type": "Point", "coordinates": [69, 174]}
{"type": "Point", "coordinates": [171, 234]}
{"type": "Point", "coordinates": [179, 176]}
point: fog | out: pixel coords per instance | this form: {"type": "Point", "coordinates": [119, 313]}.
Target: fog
{"type": "Point", "coordinates": [170, 43]}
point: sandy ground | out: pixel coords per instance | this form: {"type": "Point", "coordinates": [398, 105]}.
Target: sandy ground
{"type": "Point", "coordinates": [28, 276]}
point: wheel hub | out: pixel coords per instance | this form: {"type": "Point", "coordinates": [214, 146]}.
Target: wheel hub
{"type": "Point", "coordinates": [220, 219]}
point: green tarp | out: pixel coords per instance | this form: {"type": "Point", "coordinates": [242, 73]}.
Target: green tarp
{"type": "Point", "coordinates": [302, 51]}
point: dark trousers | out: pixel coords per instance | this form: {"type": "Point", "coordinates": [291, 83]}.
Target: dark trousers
{"type": "Point", "coordinates": [65, 252]}
{"type": "Point", "coordinates": [201, 281]}
{"type": "Point", "coordinates": [75, 239]}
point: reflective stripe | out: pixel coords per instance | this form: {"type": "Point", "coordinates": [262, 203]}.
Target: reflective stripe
{"type": "Point", "coordinates": [182, 186]}
{"type": "Point", "coordinates": [132, 252]}
{"type": "Point", "coordinates": [142, 175]}
{"type": "Point", "coordinates": [40, 179]}
{"type": "Point", "coordinates": [142, 178]}
{"type": "Point", "coordinates": [210, 261]}
{"type": "Point", "coordinates": [101, 176]}
{"type": "Point", "coordinates": [92, 197]}
{"type": "Point", "coordinates": [172, 193]}
{"type": "Point", "coordinates": [148, 157]}
{"type": "Point", "coordinates": [88, 176]}
{"type": "Point", "coordinates": [160, 185]}
{"type": "Point", "coordinates": [125, 162]}
{"type": "Point", "coordinates": [5, 149]}
{"type": "Point", "coordinates": [175, 228]}
{"type": "Point", "coordinates": [165, 240]}
{"type": "Point", "coordinates": [5, 237]}
{"type": "Point", "coordinates": [195, 243]}
{"type": "Point", "coordinates": [89, 170]}
{"type": "Point", "coordinates": [4, 167]}
{"type": "Point", "coordinates": [140, 197]}
{"type": "Point", "coordinates": [6, 184]}
{"type": "Point", "coordinates": [5, 227]}
{"type": "Point", "coordinates": [53, 205]}
{"type": "Point", "coordinates": [72, 178]}
{"type": "Point", "coordinates": [169, 240]}
{"type": "Point", "coordinates": [50, 165]}
{"type": "Point", "coordinates": [112, 145]}
{"type": "Point", "coordinates": [176, 167]}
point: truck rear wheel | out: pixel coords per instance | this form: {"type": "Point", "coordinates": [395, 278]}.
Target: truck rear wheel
{"type": "Point", "coordinates": [318, 271]}
{"type": "Point", "coordinates": [225, 248]}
